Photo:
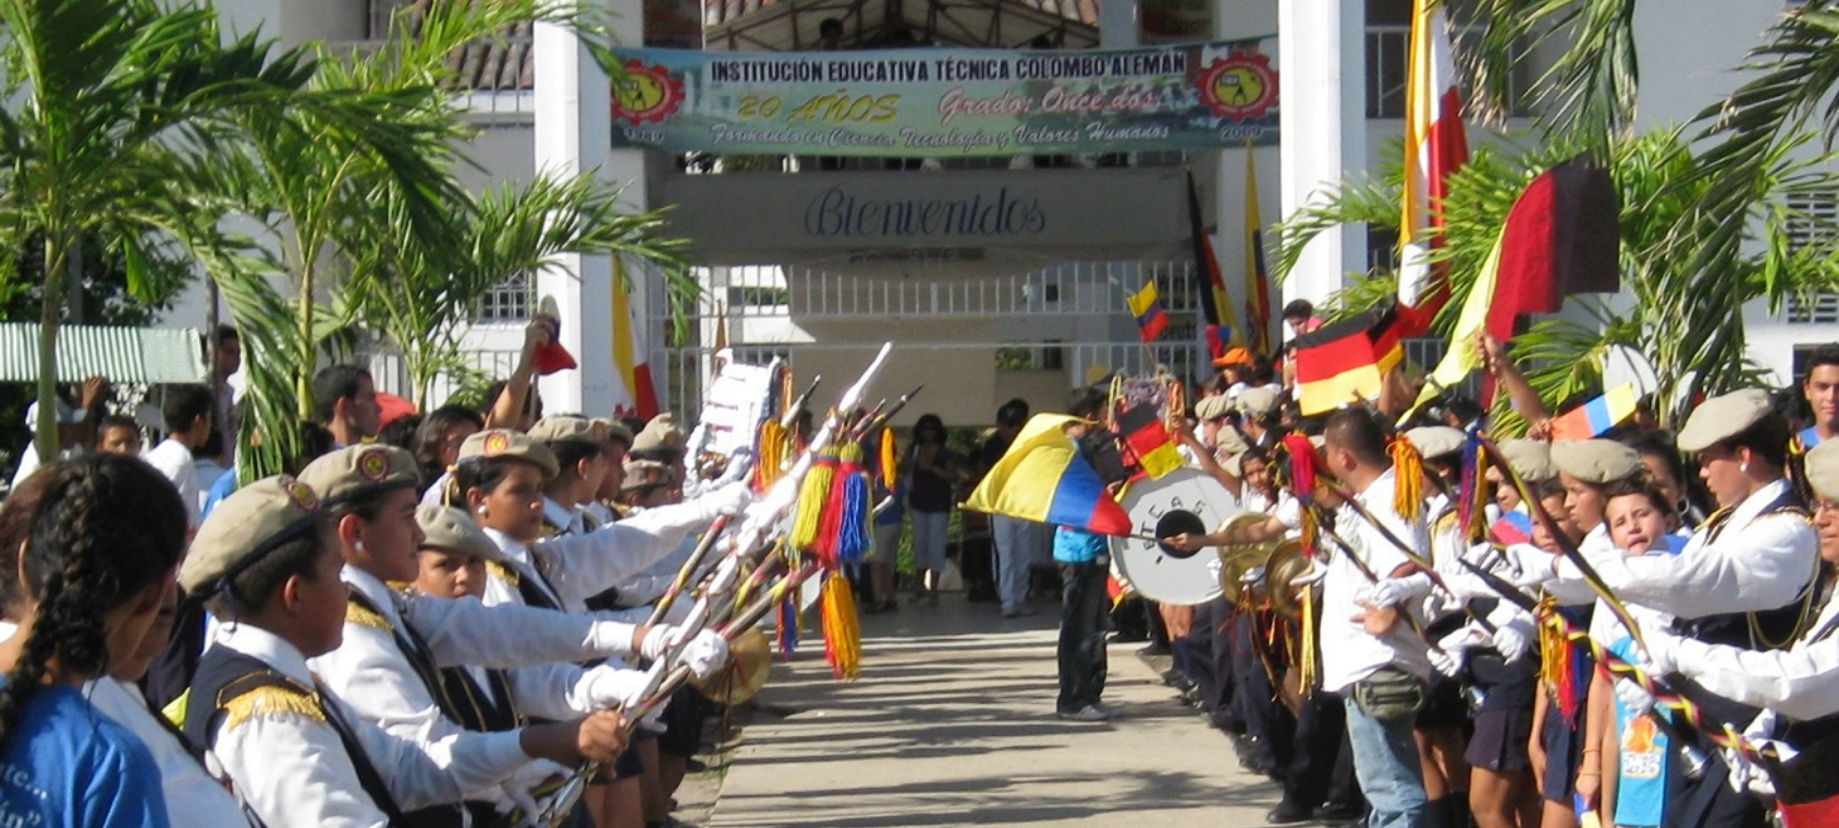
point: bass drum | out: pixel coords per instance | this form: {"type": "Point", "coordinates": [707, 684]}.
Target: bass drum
{"type": "Point", "coordinates": [1185, 500]}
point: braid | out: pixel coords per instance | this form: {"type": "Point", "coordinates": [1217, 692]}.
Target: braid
{"type": "Point", "coordinates": [106, 528]}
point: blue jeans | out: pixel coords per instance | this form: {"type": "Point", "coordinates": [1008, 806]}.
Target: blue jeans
{"type": "Point", "coordinates": [1386, 763]}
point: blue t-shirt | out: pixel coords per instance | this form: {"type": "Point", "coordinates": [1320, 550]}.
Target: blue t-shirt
{"type": "Point", "coordinates": [1077, 545]}
{"type": "Point", "coordinates": [67, 764]}
{"type": "Point", "coordinates": [224, 487]}
{"type": "Point", "coordinates": [1810, 437]}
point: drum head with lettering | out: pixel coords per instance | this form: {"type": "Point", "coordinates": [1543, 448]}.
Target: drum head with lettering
{"type": "Point", "coordinates": [1184, 500]}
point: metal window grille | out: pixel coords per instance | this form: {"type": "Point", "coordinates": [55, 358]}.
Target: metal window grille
{"type": "Point", "coordinates": [511, 301]}
{"type": "Point", "coordinates": [1813, 220]}
{"type": "Point", "coordinates": [1388, 55]}
{"type": "Point", "coordinates": [381, 13]}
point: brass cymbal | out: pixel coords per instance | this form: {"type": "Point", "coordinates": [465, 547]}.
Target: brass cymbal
{"type": "Point", "coordinates": [1285, 564]}
{"type": "Point", "coordinates": [750, 662]}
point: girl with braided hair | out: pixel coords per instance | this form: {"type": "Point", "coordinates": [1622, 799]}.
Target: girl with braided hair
{"type": "Point", "coordinates": [101, 540]}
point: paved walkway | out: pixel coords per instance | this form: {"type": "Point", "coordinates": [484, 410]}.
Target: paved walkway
{"type": "Point", "coordinates": [952, 724]}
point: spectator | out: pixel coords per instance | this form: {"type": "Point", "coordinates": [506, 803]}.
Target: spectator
{"type": "Point", "coordinates": [345, 404]}
{"type": "Point", "coordinates": [1017, 540]}
{"type": "Point", "coordinates": [1300, 316]}
{"type": "Point", "coordinates": [187, 412]}
{"type": "Point", "coordinates": [932, 467]}
{"type": "Point", "coordinates": [74, 426]}
{"type": "Point", "coordinates": [225, 362]}
{"type": "Point", "coordinates": [117, 434]}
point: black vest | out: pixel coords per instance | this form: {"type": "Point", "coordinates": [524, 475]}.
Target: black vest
{"type": "Point", "coordinates": [414, 650]}
{"type": "Point", "coordinates": [1776, 625]}
{"type": "Point", "coordinates": [225, 674]}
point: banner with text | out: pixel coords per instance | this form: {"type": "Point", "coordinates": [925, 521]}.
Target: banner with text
{"type": "Point", "coordinates": [944, 102]}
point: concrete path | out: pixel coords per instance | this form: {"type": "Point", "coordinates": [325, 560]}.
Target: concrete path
{"type": "Point", "coordinates": [952, 723]}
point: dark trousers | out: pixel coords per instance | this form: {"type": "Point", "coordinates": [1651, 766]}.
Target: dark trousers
{"type": "Point", "coordinates": [1321, 767]}
{"type": "Point", "coordinates": [1267, 721]}
{"type": "Point", "coordinates": [1210, 653]}
{"type": "Point", "coordinates": [1082, 634]}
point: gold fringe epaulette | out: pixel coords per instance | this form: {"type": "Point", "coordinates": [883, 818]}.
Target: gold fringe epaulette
{"type": "Point", "coordinates": [503, 573]}
{"type": "Point", "coordinates": [363, 616]}
{"type": "Point", "coordinates": [271, 701]}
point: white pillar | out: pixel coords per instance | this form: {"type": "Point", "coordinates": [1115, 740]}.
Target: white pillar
{"type": "Point", "coordinates": [1118, 26]}
{"type": "Point", "coordinates": [1321, 66]}
{"type": "Point", "coordinates": [573, 136]}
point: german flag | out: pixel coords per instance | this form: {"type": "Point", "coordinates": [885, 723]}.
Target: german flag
{"type": "Point", "coordinates": [1149, 441]}
{"type": "Point", "coordinates": [1346, 360]}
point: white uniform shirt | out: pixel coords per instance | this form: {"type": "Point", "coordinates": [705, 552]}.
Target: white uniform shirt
{"type": "Point", "coordinates": [1758, 562]}
{"type": "Point", "coordinates": [1349, 654]}
{"type": "Point", "coordinates": [192, 796]}
{"type": "Point", "coordinates": [174, 460]}
{"type": "Point", "coordinates": [574, 568]}
{"type": "Point", "coordinates": [1801, 682]}
{"type": "Point", "coordinates": [295, 773]}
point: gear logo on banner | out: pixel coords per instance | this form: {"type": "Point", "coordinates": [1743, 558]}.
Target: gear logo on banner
{"type": "Point", "coordinates": [646, 93]}
{"type": "Point", "coordinates": [1241, 86]}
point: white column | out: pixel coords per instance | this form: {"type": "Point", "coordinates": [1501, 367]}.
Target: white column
{"type": "Point", "coordinates": [634, 171]}
{"type": "Point", "coordinates": [1118, 26]}
{"type": "Point", "coordinates": [573, 137]}
{"type": "Point", "coordinates": [1321, 67]}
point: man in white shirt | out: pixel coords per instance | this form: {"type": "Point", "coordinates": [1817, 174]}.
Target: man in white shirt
{"type": "Point", "coordinates": [1369, 654]}
{"type": "Point", "coordinates": [187, 411]}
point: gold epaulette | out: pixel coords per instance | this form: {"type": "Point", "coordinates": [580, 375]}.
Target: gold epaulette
{"type": "Point", "coordinates": [363, 616]}
{"type": "Point", "coordinates": [503, 573]}
{"type": "Point", "coordinates": [272, 701]}
{"type": "Point", "coordinates": [551, 530]}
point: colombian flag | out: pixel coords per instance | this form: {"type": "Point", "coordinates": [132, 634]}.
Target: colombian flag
{"type": "Point", "coordinates": [1043, 478]}
{"type": "Point", "coordinates": [1146, 306]}
{"type": "Point", "coordinates": [1596, 416]}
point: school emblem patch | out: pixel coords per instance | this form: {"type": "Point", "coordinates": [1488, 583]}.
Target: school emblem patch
{"type": "Point", "coordinates": [374, 465]}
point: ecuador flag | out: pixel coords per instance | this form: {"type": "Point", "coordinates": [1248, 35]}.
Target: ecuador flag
{"type": "Point", "coordinates": [1596, 416]}
{"type": "Point", "coordinates": [1146, 306]}
{"type": "Point", "coordinates": [1043, 478]}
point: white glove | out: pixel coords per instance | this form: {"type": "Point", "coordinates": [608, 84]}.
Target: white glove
{"type": "Point", "coordinates": [730, 500]}
{"type": "Point", "coordinates": [1390, 592]}
{"type": "Point", "coordinates": [656, 639]}
{"type": "Point", "coordinates": [511, 800]}
{"type": "Point", "coordinates": [1316, 573]}
{"type": "Point", "coordinates": [1464, 586]}
{"type": "Point", "coordinates": [1252, 576]}
{"type": "Point", "coordinates": [1661, 645]}
{"type": "Point", "coordinates": [1449, 655]}
{"type": "Point", "coordinates": [608, 686]}
{"type": "Point", "coordinates": [1637, 700]}
{"type": "Point", "coordinates": [705, 653]}
{"type": "Point", "coordinates": [1513, 636]}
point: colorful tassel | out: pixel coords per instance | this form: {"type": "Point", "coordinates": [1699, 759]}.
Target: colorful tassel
{"type": "Point", "coordinates": [890, 460]}
{"type": "Point", "coordinates": [1408, 466]}
{"type": "Point", "coordinates": [786, 637]}
{"type": "Point", "coordinates": [1308, 664]}
{"type": "Point", "coordinates": [842, 630]}
{"type": "Point", "coordinates": [813, 495]}
{"type": "Point", "coordinates": [1302, 482]}
{"type": "Point", "coordinates": [1470, 498]}
{"type": "Point", "coordinates": [854, 517]}
{"type": "Point", "coordinates": [772, 446]}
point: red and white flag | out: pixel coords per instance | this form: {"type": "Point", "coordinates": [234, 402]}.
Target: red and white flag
{"type": "Point", "coordinates": [1435, 147]}
{"type": "Point", "coordinates": [635, 395]}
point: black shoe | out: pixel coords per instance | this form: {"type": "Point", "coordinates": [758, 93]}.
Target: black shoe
{"type": "Point", "coordinates": [1337, 813]}
{"type": "Point", "coordinates": [1287, 813]}
{"type": "Point", "coordinates": [1155, 648]}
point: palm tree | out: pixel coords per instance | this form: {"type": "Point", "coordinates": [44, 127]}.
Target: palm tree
{"type": "Point", "coordinates": [1660, 185]}
{"type": "Point", "coordinates": [111, 103]}
{"type": "Point", "coordinates": [419, 295]}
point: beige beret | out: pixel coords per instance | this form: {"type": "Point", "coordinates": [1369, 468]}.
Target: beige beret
{"type": "Point", "coordinates": [1230, 441]}
{"type": "Point", "coordinates": [248, 524]}
{"type": "Point", "coordinates": [1212, 408]}
{"type": "Point", "coordinates": [453, 530]}
{"type": "Point", "coordinates": [1258, 402]}
{"type": "Point", "coordinates": [358, 471]}
{"type": "Point", "coordinates": [1596, 461]}
{"type": "Point", "coordinates": [1723, 417]}
{"type": "Point", "coordinates": [661, 434]}
{"type": "Point", "coordinates": [1530, 459]}
{"type": "Point", "coordinates": [614, 430]}
{"type": "Point", "coordinates": [494, 443]}
{"type": "Point", "coordinates": [1235, 465]}
{"type": "Point", "coordinates": [1436, 441]}
{"type": "Point", "coordinates": [1822, 467]}
{"type": "Point", "coordinates": [560, 429]}
{"type": "Point", "coordinates": [642, 473]}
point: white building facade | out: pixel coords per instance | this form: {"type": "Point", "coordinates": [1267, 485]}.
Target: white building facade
{"type": "Point", "coordinates": [981, 320]}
